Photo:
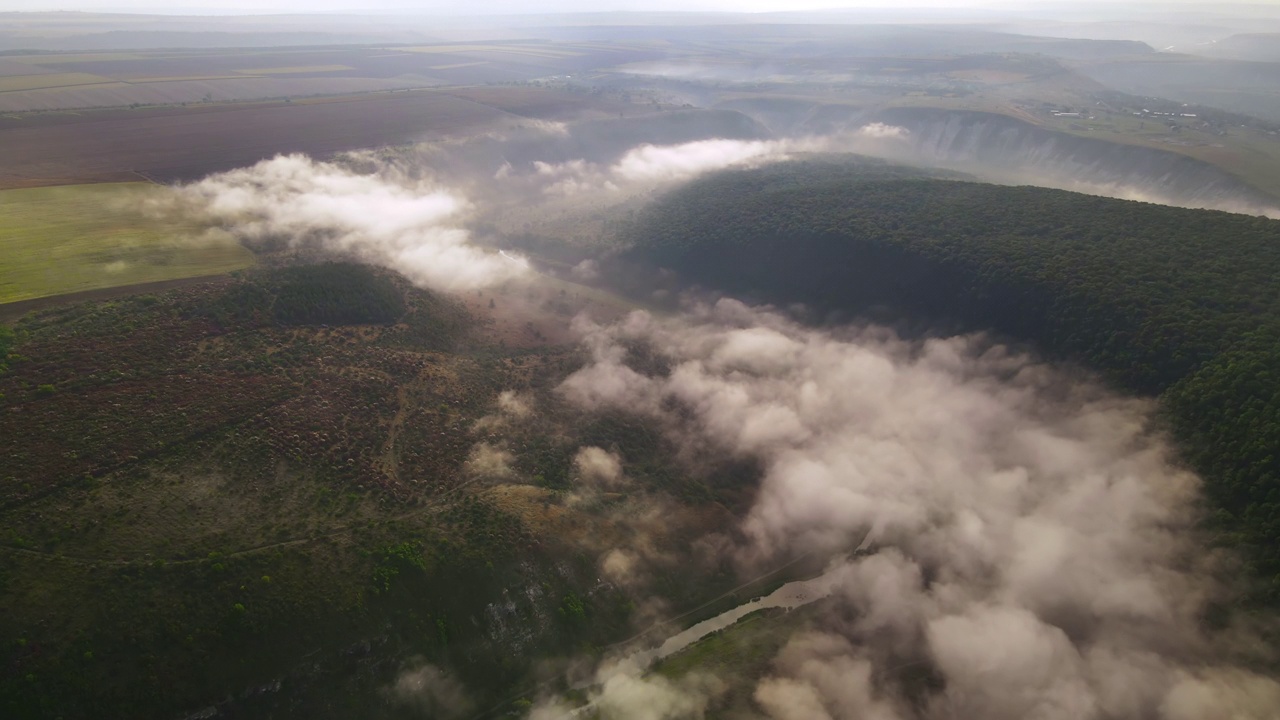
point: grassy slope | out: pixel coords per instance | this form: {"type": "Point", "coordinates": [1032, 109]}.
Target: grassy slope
{"type": "Point", "coordinates": [83, 237]}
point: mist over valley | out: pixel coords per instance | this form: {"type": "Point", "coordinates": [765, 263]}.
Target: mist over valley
{"type": "Point", "coordinates": [872, 363]}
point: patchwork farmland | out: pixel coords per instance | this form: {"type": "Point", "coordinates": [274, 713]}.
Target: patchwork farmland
{"type": "Point", "coordinates": [54, 81]}
{"type": "Point", "coordinates": [177, 143]}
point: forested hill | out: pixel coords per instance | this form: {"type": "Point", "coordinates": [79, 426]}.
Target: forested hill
{"type": "Point", "coordinates": [1166, 301]}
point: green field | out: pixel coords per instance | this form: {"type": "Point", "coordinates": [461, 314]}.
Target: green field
{"type": "Point", "coordinates": [67, 239]}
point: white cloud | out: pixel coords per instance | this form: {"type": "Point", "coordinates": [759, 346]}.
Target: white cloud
{"type": "Point", "coordinates": [488, 461]}
{"type": "Point", "coordinates": [432, 692]}
{"type": "Point", "coordinates": [675, 162]}
{"type": "Point", "coordinates": [384, 218]}
{"type": "Point", "coordinates": [599, 468]}
{"type": "Point", "coordinates": [647, 166]}
{"type": "Point", "coordinates": [1035, 541]}
{"type": "Point", "coordinates": [881, 131]}
{"type": "Point", "coordinates": [625, 694]}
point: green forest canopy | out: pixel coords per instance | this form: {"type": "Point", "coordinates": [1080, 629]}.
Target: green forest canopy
{"type": "Point", "coordinates": [1165, 301]}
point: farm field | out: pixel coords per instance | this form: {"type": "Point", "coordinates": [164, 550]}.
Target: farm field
{"type": "Point", "coordinates": [1250, 153]}
{"type": "Point", "coordinates": [1035, 90]}
{"type": "Point", "coordinates": [185, 143]}
{"type": "Point", "coordinates": [57, 81]}
{"type": "Point", "coordinates": [85, 237]}
{"type": "Point", "coordinates": [18, 83]}
{"type": "Point", "coordinates": [1252, 88]}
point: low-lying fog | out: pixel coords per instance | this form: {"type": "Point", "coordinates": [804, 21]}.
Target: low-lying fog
{"type": "Point", "coordinates": [1034, 553]}
{"type": "Point", "coordinates": [412, 210]}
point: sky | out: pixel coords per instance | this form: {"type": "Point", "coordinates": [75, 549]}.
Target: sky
{"type": "Point", "coordinates": [452, 7]}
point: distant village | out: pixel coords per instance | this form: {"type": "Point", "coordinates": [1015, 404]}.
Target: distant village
{"type": "Point", "coordinates": [1174, 116]}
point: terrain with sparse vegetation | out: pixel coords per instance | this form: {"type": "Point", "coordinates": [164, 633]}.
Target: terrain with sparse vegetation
{"type": "Point", "coordinates": [216, 488]}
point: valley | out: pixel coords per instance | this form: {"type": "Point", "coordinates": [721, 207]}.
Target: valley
{"type": "Point", "coordinates": [655, 365]}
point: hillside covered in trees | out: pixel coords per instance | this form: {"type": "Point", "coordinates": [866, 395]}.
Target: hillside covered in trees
{"type": "Point", "coordinates": [1177, 303]}
{"type": "Point", "coordinates": [274, 494]}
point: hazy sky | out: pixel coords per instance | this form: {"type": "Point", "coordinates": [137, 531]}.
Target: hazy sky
{"type": "Point", "coordinates": [454, 7]}
{"type": "Point", "coordinates": [540, 6]}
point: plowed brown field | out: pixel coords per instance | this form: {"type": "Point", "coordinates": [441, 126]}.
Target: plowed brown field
{"type": "Point", "coordinates": [184, 143]}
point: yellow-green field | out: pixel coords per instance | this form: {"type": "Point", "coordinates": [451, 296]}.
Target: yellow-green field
{"type": "Point", "coordinates": [180, 78]}
{"type": "Point", "coordinates": [57, 240]}
{"type": "Point", "coordinates": [455, 66]}
{"type": "Point", "coordinates": [295, 69]}
{"type": "Point", "coordinates": [15, 83]}
{"type": "Point", "coordinates": [530, 50]}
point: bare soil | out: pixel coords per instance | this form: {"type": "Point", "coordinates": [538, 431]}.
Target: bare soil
{"type": "Point", "coordinates": [179, 143]}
